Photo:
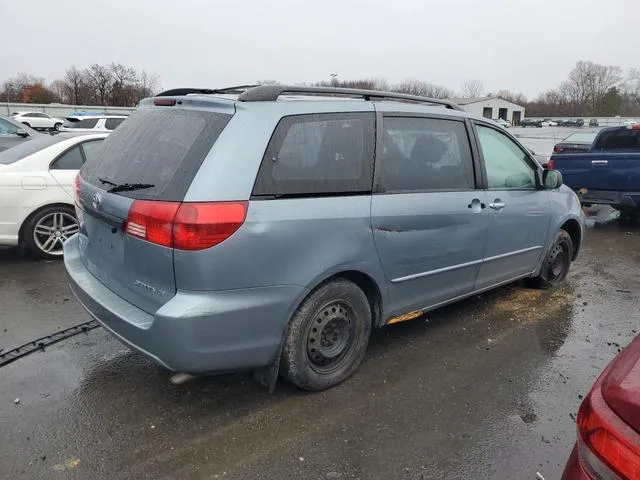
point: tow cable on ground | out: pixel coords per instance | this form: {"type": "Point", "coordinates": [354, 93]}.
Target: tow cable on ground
{"type": "Point", "coordinates": [41, 343]}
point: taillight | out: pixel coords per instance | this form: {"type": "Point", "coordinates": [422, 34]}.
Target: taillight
{"type": "Point", "coordinates": [608, 447]}
{"type": "Point", "coordinates": [76, 189]}
{"type": "Point", "coordinates": [558, 149]}
{"type": "Point", "coordinates": [185, 226]}
{"type": "Point", "coordinates": [202, 225]}
{"type": "Point", "coordinates": [551, 164]}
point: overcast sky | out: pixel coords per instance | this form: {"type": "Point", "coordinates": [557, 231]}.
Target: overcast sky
{"type": "Point", "coordinates": [521, 45]}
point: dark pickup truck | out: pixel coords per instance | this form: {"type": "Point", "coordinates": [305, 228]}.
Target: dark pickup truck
{"type": "Point", "coordinates": [609, 173]}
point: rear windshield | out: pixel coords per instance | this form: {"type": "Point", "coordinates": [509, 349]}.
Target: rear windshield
{"type": "Point", "coordinates": [581, 137]}
{"type": "Point", "coordinates": [80, 123]}
{"type": "Point", "coordinates": [163, 147]}
{"type": "Point", "coordinates": [27, 148]}
{"type": "Point", "coordinates": [621, 139]}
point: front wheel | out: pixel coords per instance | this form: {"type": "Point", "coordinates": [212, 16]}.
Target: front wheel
{"type": "Point", "coordinates": [327, 337]}
{"type": "Point", "coordinates": [47, 230]}
{"type": "Point", "coordinates": [556, 264]}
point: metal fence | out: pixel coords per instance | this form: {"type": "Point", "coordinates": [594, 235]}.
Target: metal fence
{"type": "Point", "coordinates": [60, 110]}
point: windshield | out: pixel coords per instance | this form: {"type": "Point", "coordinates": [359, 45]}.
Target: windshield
{"type": "Point", "coordinates": [25, 149]}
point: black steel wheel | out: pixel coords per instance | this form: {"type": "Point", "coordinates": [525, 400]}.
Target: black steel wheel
{"type": "Point", "coordinates": [557, 262]}
{"type": "Point", "coordinates": [327, 337]}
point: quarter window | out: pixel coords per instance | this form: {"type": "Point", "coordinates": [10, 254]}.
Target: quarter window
{"type": "Point", "coordinates": [425, 154]}
{"type": "Point", "coordinates": [505, 161]}
{"type": "Point", "coordinates": [319, 154]}
{"type": "Point", "coordinates": [70, 160]}
{"type": "Point", "coordinates": [112, 123]}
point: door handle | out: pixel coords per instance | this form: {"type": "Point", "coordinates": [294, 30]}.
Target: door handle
{"type": "Point", "coordinates": [497, 205]}
{"type": "Point", "coordinates": [599, 162]}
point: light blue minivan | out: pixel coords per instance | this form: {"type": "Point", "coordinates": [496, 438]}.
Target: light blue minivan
{"type": "Point", "coordinates": [270, 228]}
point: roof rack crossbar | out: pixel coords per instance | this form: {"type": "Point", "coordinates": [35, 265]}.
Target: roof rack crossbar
{"type": "Point", "coordinates": [266, 93]}
{"type": "Point", "coordinates": [176, 92]}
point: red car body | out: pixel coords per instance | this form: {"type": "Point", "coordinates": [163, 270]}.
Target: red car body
{"type": "Point", "coordinates": [608, 446]}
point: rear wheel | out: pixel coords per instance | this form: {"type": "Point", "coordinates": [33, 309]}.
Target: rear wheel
{"type": "Point", "coordinates": [57, 126]}
{"type": "Point", "coordinates": [556, 264]}
{"type": "Point", "coordinates": [47, 230]}
{"type": "Point", "coordinates": [327, 337]}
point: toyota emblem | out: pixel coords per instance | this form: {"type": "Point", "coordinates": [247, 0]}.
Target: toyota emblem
{"type": "Point", "coordinates": [96, 200]}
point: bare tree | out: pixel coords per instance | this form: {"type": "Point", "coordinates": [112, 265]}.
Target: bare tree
{"type": "Point", "coordinates": [588, 83]}
{"type": "Point", "coordinates": [100, 80]}
{"type": "Point", "coordinates": [472, 89]}
{"type": "Point", "coordinates": [123, 90]}
{"type": "Point", "coordinates": [59, 89]}
{"type": "Point", "coordinates": [423, 89]}
{"type": "Point", "coordinates": [512, 97]}
{"type": "Point", "coordinates": [76, 85]}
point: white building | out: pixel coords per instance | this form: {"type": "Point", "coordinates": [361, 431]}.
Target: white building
{"type": "Point", "coordinates": [492, 107]}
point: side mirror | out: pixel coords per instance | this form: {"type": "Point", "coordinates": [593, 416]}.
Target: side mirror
{"type": "Point", "coordinates": [22, 133]}
{"type": "Point", "coordinates": [551, 179]}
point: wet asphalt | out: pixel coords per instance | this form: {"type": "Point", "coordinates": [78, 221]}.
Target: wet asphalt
{"type": "Point", "coordinates": [485, 388]}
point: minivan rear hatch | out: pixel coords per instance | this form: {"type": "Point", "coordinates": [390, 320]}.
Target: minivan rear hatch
{"type": "Point", "coordinates": [144, 168]}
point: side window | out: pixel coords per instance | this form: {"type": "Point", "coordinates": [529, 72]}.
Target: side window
{"type": "Point", "coordinates": [84, 123]}
{"type": "Point", "coordinates": [70, 160]}
{"type": "Point", "coordinates": [90, 149]}
{"type": "Point", "coordinates": [112, 123]}
{"type": "Point", "coordinates": [41, 115]}
{"type": "Point", "coordinates": [505, 161]}
{"type": "Point", "coordinates": [319, 154]}
{"type": "Point", "coordinates": [425, 154]}
{"type": "Point", "coordinates": [7, 128]}
{"type": "Point", "coordinates": [30, 115]}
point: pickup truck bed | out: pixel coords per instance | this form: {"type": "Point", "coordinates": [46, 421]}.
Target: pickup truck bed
{"type": "Point", "coordinates": [609, 173]}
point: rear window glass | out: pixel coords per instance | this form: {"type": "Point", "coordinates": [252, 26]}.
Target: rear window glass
{"type": "Point", "coordinates": [160, 146]}
{"type": "Point", "coordinates": [621, 139]}
{"type": "Point", "coordinates": [581, 137]}
{"type": "Point", "coordinates": [30, 147]}
{"type": "Point", "coordinates": [320, 154]}
{"type": "Point", "coordinates": [84, 123]}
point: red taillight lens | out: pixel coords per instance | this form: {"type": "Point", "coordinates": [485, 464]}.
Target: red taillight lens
{"type": "Point", "coordinates": [609, 448]}
{"type": "Point", "coordinates": [152, 221]}
{"type": "Point", "coordinates": [185, 226]}
{"type": "Point", "coordinates": [76, 189]}
{"type": "Point", "coordinates": [551, 164]}
{"type": "Point", "coordinates": [202, 225]}
{"type": "Point", "coordinates": [558, 149]}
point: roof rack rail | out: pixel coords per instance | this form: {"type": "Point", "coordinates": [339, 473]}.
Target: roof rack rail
{"type": "Point", "coordinates": [267, 93]}
{"type": "Point", "coordinates": [176, 92]}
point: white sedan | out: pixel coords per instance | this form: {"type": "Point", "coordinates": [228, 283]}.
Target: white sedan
{"type": "Point", "coordinates": [549, 123]}
{"type": "Point", "coordinates": [36, 190]}
{"type": "Point", "coordinates": [38, 120]}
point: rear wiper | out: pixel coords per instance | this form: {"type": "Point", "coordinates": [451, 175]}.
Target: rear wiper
{"type": "Point", "coordinates": [128, 187]}
{"type": "Point", "coordinates": [106, 181]}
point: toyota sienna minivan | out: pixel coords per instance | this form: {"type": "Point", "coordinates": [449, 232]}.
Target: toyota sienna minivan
{"type": "Point", "coordinates": [271, 228]}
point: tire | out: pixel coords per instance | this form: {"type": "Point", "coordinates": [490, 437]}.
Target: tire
{"type": "Point", "coordinates": [46, 230]}
{"type": "Point", "coordinates": [556, 264]}
{"type": "Point", "coordinates": [57, 126]}
{"type": "Point", "coordinates": [327, 337]}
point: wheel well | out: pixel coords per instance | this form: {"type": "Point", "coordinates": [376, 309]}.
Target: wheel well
{"type": "Point", "coordinates": [370, 288]}
{"type": "Point", "coordinates": [572, 227]}
{"type": "Point", "coordinates": [34, 213]}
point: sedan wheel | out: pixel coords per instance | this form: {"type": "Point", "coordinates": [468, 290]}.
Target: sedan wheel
{"type": "Point", "coordinates": [57, 126]}
{"type": "Point", "coordinates": [47, 231]}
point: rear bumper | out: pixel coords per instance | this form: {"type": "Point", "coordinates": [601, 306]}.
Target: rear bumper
{"type": "Point", "coordinates": [609, 197]}
{"type": "Point", "coordinates": [195, 332]}
{"type": "Point", "coordinates": [573, 470]}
